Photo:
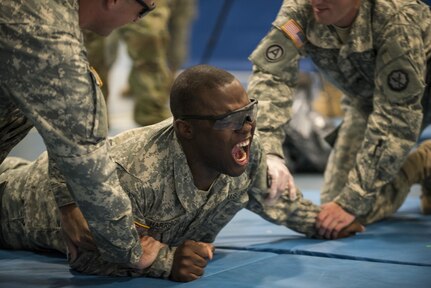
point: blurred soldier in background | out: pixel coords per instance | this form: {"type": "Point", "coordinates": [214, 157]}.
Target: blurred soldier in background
{"type": "Point", "coordinates": [157, 46]}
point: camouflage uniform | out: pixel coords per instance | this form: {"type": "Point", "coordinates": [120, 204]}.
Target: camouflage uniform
{"type": "Point", "coordinates": [182, 15]}
{"type": "Point", "coordinates": [381, 69]}
{"type": "Point", "coordinates": [150, 42]}
{"type": "Point", "coordinates": [150, 78]}
{"type": "Point", "coordinates": [151, 161]}
{"type": "Point", "coordinates": [100, 57]}
{"type": "Point", "coordinates": [45, 81]}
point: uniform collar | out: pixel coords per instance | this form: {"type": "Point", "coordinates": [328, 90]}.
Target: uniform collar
{"type": "Point", "coordinates": [362, 33]}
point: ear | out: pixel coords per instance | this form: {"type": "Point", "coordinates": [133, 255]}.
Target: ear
{"type": "Point", "coordinates": [183, 129]}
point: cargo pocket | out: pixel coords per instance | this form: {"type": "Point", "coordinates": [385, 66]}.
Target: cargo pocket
{"type": "Point", "coordinates": [100, 120]}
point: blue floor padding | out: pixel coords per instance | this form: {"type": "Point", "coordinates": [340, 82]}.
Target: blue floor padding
{"type": "Point", "coordinates": [26, 269]}
{"type": "Point", "coordinates": [252, 252]}
{"type": "Point", "coordinates": [403, 238]}
{"type": "Point", "coordinates": [307, 271]}
{"type": "Point", "coordinates": [397, 240]}
{"type": "Point", "coordinates": [227, 269]}
{"type": "Point", "coordinates": [426, 134]}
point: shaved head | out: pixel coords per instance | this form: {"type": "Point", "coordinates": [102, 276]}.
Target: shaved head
{"type": "Point", "coordinates": [188, 89]}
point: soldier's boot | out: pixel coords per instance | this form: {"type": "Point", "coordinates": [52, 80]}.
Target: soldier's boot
{"type": "Point", "coordinates": [418, 170]}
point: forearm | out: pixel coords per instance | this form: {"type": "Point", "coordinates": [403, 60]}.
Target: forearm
{"type": "Point", "coordinates": [275, 74]}
{"type": "Point", "coordinates": [275, 104]}
{"type": "Point", "coordinates": [297, 214]}
{"type": "Point", "coordinates": [91, 262]}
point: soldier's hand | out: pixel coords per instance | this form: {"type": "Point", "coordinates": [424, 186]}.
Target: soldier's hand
{"type": "Point", "coordinates": [332, 219]}
{"type": "Point", "coordinates": [190, 259]}
{"type": "Point", "coordinates": [150, 250]}
{"type": "Point", "coordinates": [280, 179]}
{"type": "Point", "coordinates": [351, 230]}
{"type": "Point", "coordinates": [75, 230]}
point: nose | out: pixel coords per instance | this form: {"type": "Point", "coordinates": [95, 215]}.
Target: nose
{"type": "Point", "coordinates": [247, 126]}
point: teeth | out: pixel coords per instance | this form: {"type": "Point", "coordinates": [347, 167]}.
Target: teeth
{"type": "Point", "coordinates": [243, 144]}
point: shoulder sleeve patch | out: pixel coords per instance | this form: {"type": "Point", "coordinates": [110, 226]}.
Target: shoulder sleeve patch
{"type": "Point", "coordinates": [398, 80]}
{"type": "Point", "coordinates": [274, 53]}
{"type": "Point", "coordinates": [294, 31]}
{"type": "Point", "coordinates": [277, 55]}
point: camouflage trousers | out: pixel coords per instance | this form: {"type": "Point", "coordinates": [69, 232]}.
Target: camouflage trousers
{"type": "Point", "coordinates": [343, 157]}
{"type": "Point", "coordinates": [28, 221]}
{"type": "Point", "coordinates": [182, 15]}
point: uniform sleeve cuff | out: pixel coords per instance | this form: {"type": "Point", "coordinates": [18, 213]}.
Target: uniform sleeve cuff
{"type": "Point", "coordinates": [162, 266]}
{"type": "Point", "coordinates": [354, 202]}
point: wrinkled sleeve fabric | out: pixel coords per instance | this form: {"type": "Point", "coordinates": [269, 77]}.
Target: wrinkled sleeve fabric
{"type": "Point", "coordinates": [45, 73]}
{"type": "Point", "coordinates": [275, 73]}
{"type": "Point", "coordinates": [298, 214]}
{"type": "Point", "coordinates": [394, 125]}
{"type": "Point", "coordinates": [90, 262]}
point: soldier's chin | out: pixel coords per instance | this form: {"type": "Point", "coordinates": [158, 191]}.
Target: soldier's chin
{"type": "Point", "coordinates": [238, 171]}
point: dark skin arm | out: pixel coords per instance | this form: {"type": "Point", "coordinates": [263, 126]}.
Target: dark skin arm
{"type": "Point", "coordinates": [190, 260]}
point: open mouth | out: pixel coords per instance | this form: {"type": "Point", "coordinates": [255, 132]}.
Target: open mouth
{"type": "Point", "coordinates": [241, 151]}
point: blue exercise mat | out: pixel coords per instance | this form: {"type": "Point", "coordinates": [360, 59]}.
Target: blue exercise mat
{"type": "Point", "coordinates": [404, 238]}
{"type": "Point", "coordinates": [20, 269]}
{"type": "Point", "coordinates": [401, 240]}
{"type": "Point", "coordinates": [229, 268]}
{"type": "Point", "coordinates": [393, 253]}
{"type": "Point", "coordinates": [307, 271]}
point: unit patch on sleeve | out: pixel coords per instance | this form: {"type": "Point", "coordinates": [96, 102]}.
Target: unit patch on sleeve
{"type": "Point", "coordinates": [274, 53]}
{"type": "Point", "coordinates": [398, 80]}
